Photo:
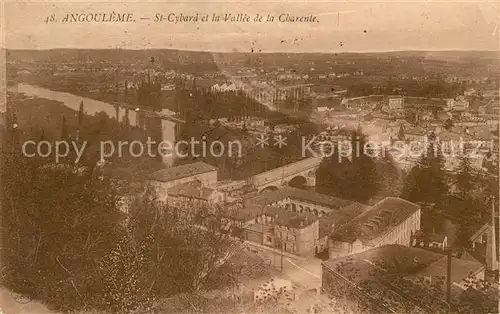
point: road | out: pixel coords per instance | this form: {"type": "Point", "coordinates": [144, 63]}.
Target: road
{"type": "Point", "coordinates": [306, 274]}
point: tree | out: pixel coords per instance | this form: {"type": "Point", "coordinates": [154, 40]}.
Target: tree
{"type": "Point", "coordinates": [354, 179]}
{"type": "Point", "coordinates": [411, 116]}
{"type": "Point", "coordinates": [465, 177]}
{"type": "Point", "coordinates": [183, 254]}
{"type": "Point", "coordinates": [426, 180]}
{"type": "Point", "coordinates": [448, 124]}
{"type": "Point", "coordinates": [480, 296]}
{"type": "Point", "coordinates": [390, 176]}
{"type": "Point", "coordinates": [364, 168]}
{"type": "Point", "coordinates": [126, 285]}
{"type": "Point", "coordinates": [80, 114]}
{"type": "Point", "coordinates": [64, 129]}
{"type": "Point", "coordinates": [57, 224]}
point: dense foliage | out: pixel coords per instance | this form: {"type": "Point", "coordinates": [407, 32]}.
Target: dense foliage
{"type": "Point", "coordinates": [66, 243]}
{"type": "Point", "coordinates": [351, 177]}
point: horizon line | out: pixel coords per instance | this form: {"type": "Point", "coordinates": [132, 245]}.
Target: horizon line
{"type": "Point", "coordinates": [260, 52]}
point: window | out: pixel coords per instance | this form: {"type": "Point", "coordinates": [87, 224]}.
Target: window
{"type": "Point", "coordinates": [269, 239]}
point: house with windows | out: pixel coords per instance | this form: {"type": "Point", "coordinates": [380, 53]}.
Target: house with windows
{"type": "Point", "coordinates": [298, 200]}
{"type": "Point", "coordinates": [395, 102]}
{"type": "Point", "coordinates": [293, 232]}
{"type": "Point", "coordinates": [167, 178]}
{"type": "Point", "coordinates": [390, 221]}
{"type": "Point", "coordinates": [296, 221]}
{"type": "Point", "coordinates": [430, 240]}
{"type": "Point", "coordinates": [401, 279]}
{"type": "Point", "coordinates": [196, 194]}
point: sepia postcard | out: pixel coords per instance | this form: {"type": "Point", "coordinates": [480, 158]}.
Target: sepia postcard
{"type": "Point", "coordinates": [249, 157]}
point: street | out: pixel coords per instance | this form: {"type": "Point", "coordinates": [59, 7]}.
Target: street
{"type": "Point", "coordinates": [303, 273]}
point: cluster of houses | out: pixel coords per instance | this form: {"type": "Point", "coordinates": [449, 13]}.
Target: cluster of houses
{"type": "Point", "coordinates": [429, 267]}
{"type": "Point", "coordinates": [295, 221]}
{"type": "Point", "coordinates": [385, 121]}
{"type": "Point", "coordinates": [360, 240]}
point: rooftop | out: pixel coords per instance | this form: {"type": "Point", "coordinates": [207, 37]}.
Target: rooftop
{"type": "Point", "coordinates": [484, 228]}
{"type": "Point", "coordinates": [436, 238]}
{"type": "Point", "coordinates": [228, 184]}
{"type": "Point", "coordinates": [260, 228]}
{"type": "Point", "coordinates": [242, 213]}
{"type": "Point", "coordinates": [388, 258]}
{"type": "Point", "coordinates": [182, 171]}
{"type": "Point", "coordinates": [380, 274]}
{"type": "Point", "coordinates": [376, 221]}
{"type": "Point", "coordinates": [415, 131]}
{"type": "Point", "coordinates": [298, 194]}
{"type": "Point", "coordinates": [193, 189]}
{"type": "Point", "coordinates": [461, 269]}
{"type": "Point", "coordinates": [294, 220]}
{"type": "Point", "coordinates": [339, 217]}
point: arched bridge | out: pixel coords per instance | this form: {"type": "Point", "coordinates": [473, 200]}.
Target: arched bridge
{"type": "Point", "coordinates": [299, 173]}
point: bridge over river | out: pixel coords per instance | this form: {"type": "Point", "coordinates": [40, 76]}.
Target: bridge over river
{"type": "Point", "coordinates": [302, 172]}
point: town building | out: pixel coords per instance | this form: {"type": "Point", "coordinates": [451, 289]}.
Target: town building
{"type": "Point", "coordinates": [413, 134]}
{"type": "Point", "coordinates": [196, 194]}
{"type": "Point", "coordinates": [354, 278]}
{"type": "Point", "coordinates": [457, 104]}
{"type": "Point", "coordinates": [293, 220]}
{"type": "Point", "coordinates": [463, 270]}
{"type": "Point", "coordinates": [395, 102]}
{"type": "Point", "coordinates": [232, 188]}
{"type": "Point", "coordinates": [166, 178]}
{"type": "Point", "coordinates": [330, 101]}
{"type": "Point", "coordinates": [430, 240]}
{"type": "Point", "coordinates": [390, 221]}
{"type": "Point", "coordinates": [470, 92]}
{"type": "Point", "coordinates": [398, 279]}
{"type": "Point", "coordinates": [335, 219]}
{"type": "Point", "coordinates": [296, 233]}
{"type": "Point", "coordinates": [298, 200]}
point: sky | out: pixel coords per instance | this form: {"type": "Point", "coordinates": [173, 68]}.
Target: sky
{"type": "Point", "coordinates": [352, 26]}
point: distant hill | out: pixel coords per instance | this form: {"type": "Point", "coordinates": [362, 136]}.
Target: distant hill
{"type": "Point", "coordinates": [116, 55]}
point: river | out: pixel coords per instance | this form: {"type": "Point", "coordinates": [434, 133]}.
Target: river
{"type": "Point", "coordinates": [91, 106]}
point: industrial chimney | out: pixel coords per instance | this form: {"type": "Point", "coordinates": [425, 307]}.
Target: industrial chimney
{"type": "Point", "coordinates": [491, 255]}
